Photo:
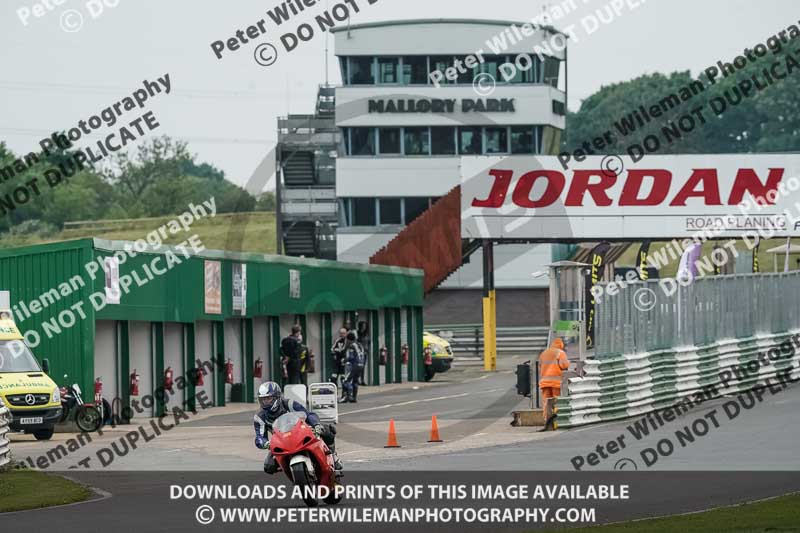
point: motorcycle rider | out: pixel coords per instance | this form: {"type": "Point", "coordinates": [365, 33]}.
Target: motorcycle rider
{"type": "Point", "coordinates": [274, 405]}
{"type": "Point", "coordinates": [355, 359]}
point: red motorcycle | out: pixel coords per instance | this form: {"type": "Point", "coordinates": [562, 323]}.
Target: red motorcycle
{"type": "Point", "coordinates": [306, 459]}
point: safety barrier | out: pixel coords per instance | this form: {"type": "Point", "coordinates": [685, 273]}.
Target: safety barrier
{"type": "Point", "coordinates": [467, 340]}
{"type": "Point", "coordinates": [624, 386]}
{"type": "Point", "coordinates": [660, 314]}
{"type": "Point", "coordinates": [5, 444]}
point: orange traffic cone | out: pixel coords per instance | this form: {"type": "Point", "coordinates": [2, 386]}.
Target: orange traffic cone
{"type": "Point", "coordinates": [435, 431]}
{"type": "Point", "coordinates": [392, 442]}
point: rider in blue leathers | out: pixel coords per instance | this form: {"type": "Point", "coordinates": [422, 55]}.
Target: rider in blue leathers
{"type": "Point", "coordinates": [355, 360]}
{"type": "Point", "coordinates": [274, 405]}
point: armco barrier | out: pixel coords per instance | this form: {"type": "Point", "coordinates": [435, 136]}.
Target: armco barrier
{"type": "Point", "coordinates": [5, 444]}
{"type": "Point", "coordinates": [467, 339]}
{"type": "Point", "coordinates": [624, 386]}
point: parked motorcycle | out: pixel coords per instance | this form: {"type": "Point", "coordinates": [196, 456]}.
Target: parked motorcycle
{"type": "Point", "coordinates": [87, 417]}
{"type": "Point", "coordinates": [305, 458]}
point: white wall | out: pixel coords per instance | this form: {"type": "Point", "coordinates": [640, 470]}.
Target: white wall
{"type": "Point", "coordinates": [514, 263]}
{"type": "Point", "coordinates": [533, 106]}
{"type": "Point", "coordinates": [106, 365]}
{"type": "Point", "coordinates": [261, 350]}
{"type": "Point", "coordinates": [313, 338]}
{"type": "Point", "coordinates": [142, 362]}
{"type": "Point", "coordinates": [433, 38]}
{"type": "Point", "coordinates": [174, 358]}
{"type": "Point", "coordinates": [234, 351]}
{"type": "Point", "coordinates": [396, 176]}
{"type": "Point", "coordinates": [355, 247]}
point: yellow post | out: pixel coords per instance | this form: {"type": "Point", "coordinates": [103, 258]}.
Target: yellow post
{"type": "Point", "coordinates": [490, 332]}
{"type": "Point", "coordinates": [493, 298]}
{"type": "Point", "coordinates": [487, 335]}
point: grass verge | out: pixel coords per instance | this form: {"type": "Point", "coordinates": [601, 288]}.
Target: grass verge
{"type": "Point", "coordinates": [21, 490]}
{"type": "Point", "coordinates": [235, 232]}
{"type": "Point", "coordinates": [775, 515]}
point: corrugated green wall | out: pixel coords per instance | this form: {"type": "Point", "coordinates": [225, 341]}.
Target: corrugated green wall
{"type": "Point", "coordinates": [178, 295]}
{"type": "Point", "coordinates": [34, 271]}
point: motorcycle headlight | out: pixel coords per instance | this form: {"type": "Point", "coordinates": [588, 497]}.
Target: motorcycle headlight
{"type": "Point", "coordinates": [56, 395]}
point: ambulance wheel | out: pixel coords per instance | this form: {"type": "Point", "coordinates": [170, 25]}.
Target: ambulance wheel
{"type": "Point", "coordinates": [43, 434]}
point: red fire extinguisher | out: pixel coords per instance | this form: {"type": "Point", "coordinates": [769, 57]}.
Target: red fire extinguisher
{"type": "Point", "coordinates": [168, 381]}
{"type": "Point", "coordinates": [199, 373]}
{"type": "Point", "coordinates": [258, 370]}
{"type": "Point", "coordinates": [428, 357]}
{"type": "Point", "coordinates": [229, 372]}
{"type": "Point", "coordinates": [405, 354]}
{"type": "Point", "coordinates": [134, 383]}
{"type": "Point", "coordinates": [98, 391]}
{"type": "Point", "coordinates": [383, 358]}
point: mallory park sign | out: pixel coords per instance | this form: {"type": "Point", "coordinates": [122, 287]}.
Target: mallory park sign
{"type": "Point", "coordinates": [442, 105]}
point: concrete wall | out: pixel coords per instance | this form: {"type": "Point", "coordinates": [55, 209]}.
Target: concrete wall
{"type": "Point", "coordinates": [515, 307]}
{"type": "Point", "coordinates": [106, 361]}
{"type": "Point", "coordinates": [141, 343]}
{"type": "Point", "coordinates": [174, 358]}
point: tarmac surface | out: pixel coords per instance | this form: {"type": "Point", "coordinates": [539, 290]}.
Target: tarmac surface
{"type": "Point", "coordinates": [715, 459]}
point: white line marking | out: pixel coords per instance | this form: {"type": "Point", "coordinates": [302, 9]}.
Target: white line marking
{"type": "Point", "coordinates": [410, 402]}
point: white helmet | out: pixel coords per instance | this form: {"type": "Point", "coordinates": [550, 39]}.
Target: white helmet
{"type": "Point", "coordinates": [269, 396]}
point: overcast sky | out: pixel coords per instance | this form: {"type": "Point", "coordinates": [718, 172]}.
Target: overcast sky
{"type": "Point", "coordinates": [226, 109]}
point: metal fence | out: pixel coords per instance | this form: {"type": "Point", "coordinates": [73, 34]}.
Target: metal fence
{"type": "Point", "coordinates": [467, 340]}
{"type": "Point", "coordinates": [659, 314]}
{"type": "Point", "coordinates": [5, 444]}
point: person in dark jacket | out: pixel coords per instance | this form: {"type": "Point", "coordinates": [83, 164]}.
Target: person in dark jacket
{"type": "Point", "coordinates": [290, 351]}
{"type": "Point", "coordinates": [338, 350]}
{"type": "Point", "coordinates": [362, 334]}
{"type": "Point", "coordinates": [354, 366]}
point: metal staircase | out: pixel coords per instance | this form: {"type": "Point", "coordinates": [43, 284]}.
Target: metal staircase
{"type": "Point", "coordinates": [431, 242]}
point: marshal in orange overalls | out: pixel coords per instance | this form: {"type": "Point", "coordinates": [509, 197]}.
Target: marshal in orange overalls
{"type": "Point", "coordinates": [552, 362]}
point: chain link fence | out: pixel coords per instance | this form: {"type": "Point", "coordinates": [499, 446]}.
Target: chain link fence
{"type": "Point", "coordinates": [666, 314]}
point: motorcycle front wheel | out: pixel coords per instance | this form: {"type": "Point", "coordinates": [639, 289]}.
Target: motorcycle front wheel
{"type": "Point", "coordinates": [303, 480]}
{"type": "Point", "coordinates": [332, 498]}
{"type": "Point", "coordinates": [88, 419]}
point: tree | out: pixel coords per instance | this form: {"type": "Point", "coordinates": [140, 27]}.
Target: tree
{"type": "Point", "coordinates": [158, 159]}
{"type": "Point", "coordinates": [761, 121]}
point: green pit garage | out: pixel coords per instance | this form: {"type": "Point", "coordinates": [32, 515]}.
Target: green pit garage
{"type": "Point", "coordinates": [165, 309]}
